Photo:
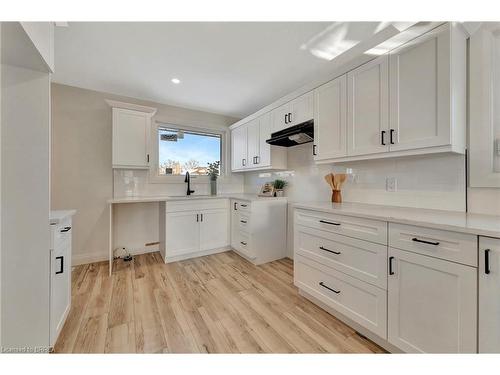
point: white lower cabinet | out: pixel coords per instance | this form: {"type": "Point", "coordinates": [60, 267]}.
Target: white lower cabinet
{"type": "Point", "coordinates": [60, 276]}
{"type": "Point", "coordinates": [489, 295]}
{"type": "Point", "coordinates": [431, 304]}
{"type": "Point", "coordinates": [193, 228]}
{"type": "Point", "coordinates": [361, 302]}
{"type": "Point", "coordinates": [258, 229]}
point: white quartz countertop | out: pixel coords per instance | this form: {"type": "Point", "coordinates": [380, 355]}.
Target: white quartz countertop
{"type": "Point", "coordinates": [165, 198]}
{"type": "Point", "coordinates": [478, 224]}
{"type": "Point", "coordinates": [56, 216]}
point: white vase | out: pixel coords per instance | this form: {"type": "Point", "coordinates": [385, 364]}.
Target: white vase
{"type": "Point", "coordinates": [280, 193]}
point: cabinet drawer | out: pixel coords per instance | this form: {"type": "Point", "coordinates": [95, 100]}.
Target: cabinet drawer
{"type": "Point", "coordinates": [242, 206]}
{"type": "Point", "coordinates": [243, 223]}
{"type": "Point", "coordinates": [61, 234]}
{"type": "Point", "coordinates": [364, 229]}
{"type": "Point", "coordinates": [243, 246]}
{"type": "Point", "coordinates": [453, 246]}
{"type": "Point", "coordinates": [196, 205]}
{"type": "Point", "coordinates": [363, 260]}
{"type": "Point", "coordinates": [363, 303]}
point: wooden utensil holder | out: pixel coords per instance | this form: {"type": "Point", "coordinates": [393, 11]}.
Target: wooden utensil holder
{"type": "Point", "coordinates": [336, 196]}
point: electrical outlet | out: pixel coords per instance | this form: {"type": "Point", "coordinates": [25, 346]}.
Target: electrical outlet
{"type": "Point", "coordinates": [391, 184]}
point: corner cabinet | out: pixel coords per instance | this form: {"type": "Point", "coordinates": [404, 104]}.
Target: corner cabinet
{"type": "Point", "coordinates": [131, 128]}
{"type": "Point", "coordinates": [249, 149]}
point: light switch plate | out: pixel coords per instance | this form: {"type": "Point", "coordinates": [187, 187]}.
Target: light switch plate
{"type": "Point", "coordinates": [391, 184]}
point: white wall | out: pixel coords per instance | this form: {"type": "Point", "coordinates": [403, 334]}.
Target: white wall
{"type": "Point", "coordinates": [25, 235]}
{"type": "Point", "coordinates": [82, 177]}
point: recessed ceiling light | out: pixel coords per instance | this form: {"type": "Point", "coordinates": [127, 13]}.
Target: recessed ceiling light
{"type": "Point", "coordinates": [176, 80]}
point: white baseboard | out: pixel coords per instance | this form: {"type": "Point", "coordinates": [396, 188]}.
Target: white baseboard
{"type": "Point", "coordinates": [196, 254]}
{"type": "Point", "coordinates": [78, 259]}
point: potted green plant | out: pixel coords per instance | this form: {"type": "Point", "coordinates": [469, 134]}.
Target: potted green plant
{"type": "Point", "coordinates": [279, 186]}
{"type": "Point", "coordinates": [213, 173]}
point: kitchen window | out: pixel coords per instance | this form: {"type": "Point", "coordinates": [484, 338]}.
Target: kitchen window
{"type": "Point", "coordinates": [181, 150]}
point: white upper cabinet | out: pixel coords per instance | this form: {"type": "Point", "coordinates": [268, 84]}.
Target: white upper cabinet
{"type": "Point", "coordinates": [302, 109]}
{"type": "Point", "coordinates": [131, 127]}
{"type": "Point", "coordinates": [250, 151]}
{"type": "Point", "coordinates": [264, 157]}
{"type": "Point", "coordinates": [484, 99]}
{"type": "Point", "coordinates": [426, 76]}
{"type": "Point", "coordinates": [489, 297]}
{"type": "Point", "coordinates": [239, 148]}
{"type": "Point", "coordinates": [295, 112]}
{"type": "Point", "coordinates": [368, 108]}
{"type": "Point", "coordinates": [330, 123]}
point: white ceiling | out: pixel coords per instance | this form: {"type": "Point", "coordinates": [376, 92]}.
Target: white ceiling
{"type": "Point", "coordinates": [228, 68]}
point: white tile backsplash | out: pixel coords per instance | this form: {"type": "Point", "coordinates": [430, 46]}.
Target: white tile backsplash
{"type": "Point", "coordinates": [135, 182]}
{"type": "Point", "coordinates": [430, 181]}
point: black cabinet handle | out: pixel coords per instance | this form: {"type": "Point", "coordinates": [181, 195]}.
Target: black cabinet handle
{"type": "Point", "coordinates": [382, 137]}
{"type": "Point", "coordinates": [330, 251]}
{"type": "Point", "coordinates": [243, 243]}
{"type": "Point", "coordinates": [243, 221]}
{"type": "Point", "coordinates": [148, 158]}
{"type": "Point", "coordinates": [65, 229]}
{"type": "Point", "coordinates": [197, 217]}
{"type": "Point", "coordinates": [244, 162]}
{"type": "Point", "coordinates": [314, 150]}
{"type": "Point", "coordinates": [201, 217]}
{"type": "Point", "coordinates": [235, 206]}
{"type": "Point", "coordinates": [423, 241]}
{"type": "Point", "coordinates": [391, 271]}
{"type": "Point", "coordinates": [243, 205]}
{"type": "Point", "coordinates": [286, 118]}
{"type": "Point", "coordinates": [487, 261]}
{"type": "Point", "coordinates": [61, 266]}
{"type": "Point", "coordinates": [257, 160]}
{"type": "Point", "coordinates": [392, 134]}
{"type": "Point", "coordinates": [327, 287]}
{"type": "Point", "coordinates": [289, 117]}
{"type": "Point", "coordinates": [328, 222]}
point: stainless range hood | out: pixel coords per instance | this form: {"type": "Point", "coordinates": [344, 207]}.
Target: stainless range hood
{"type": "Point", "coordinates": [293, 136]}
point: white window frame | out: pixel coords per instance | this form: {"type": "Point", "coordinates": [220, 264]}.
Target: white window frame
{"type": "Point", "coordinates": [156, 178]}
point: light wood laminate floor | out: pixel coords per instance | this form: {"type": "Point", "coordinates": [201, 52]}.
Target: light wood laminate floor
{"type": "Point", "coordinates": [217, 304]}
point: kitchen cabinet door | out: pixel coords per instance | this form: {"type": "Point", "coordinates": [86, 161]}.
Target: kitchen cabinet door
{"type": "Point", "coordinates": [182, 233]}
{"type": "Point", "coordinates": [60, 289]}
{"type": "Point", "coordinates": [432, 304]}
{"type": "Point", "coordinates": [239, 148]}
{"type": "Point", "coordinates": [130, 138]}
{"type": "Point", "coordinates": [280, 117]}
{"type": "Point", "coordinates": [330, 125]}
{"type": "Point", "coordinates": [420, 90]}
{"type": "Point", "coordinates": [368, 108]}
{"type": "Point", "coordinates": [253, 143]}
{"type": "Point", "coordinates": [264, 158]}
{"type": "Point", "coordinates": [214, 229]}
{"type": "Point", "coordinates": [302, 109]}
{"type": "Point", "coordinates": [489, 295]}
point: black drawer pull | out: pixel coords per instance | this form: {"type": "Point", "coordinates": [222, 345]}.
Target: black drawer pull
{"type": "Point", "coordinates": [423, 241]}
{"type": "Point", "coordinates": [391, 272]}
{"type": "Point", "coordinates": [243, 221]}
{"type": "Point", "coordinates": [330, 251]}
{"type": "Point", "coordinates": [487, 261]}
{"type": "Point", "coordinates": [65, 229]}
{"type": "Point", "coordinates": [243, 243]}
{"type": "Point", "coordinates": [243, 205]}
{"type": "Point", "coordinates": [326, 287]}
{"type": "Point", "coordinates": [235, 207]}
{"type": "Point", "coordinates": [61, 266]}
{"type": "Point", "coordinates": [328, 222]}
